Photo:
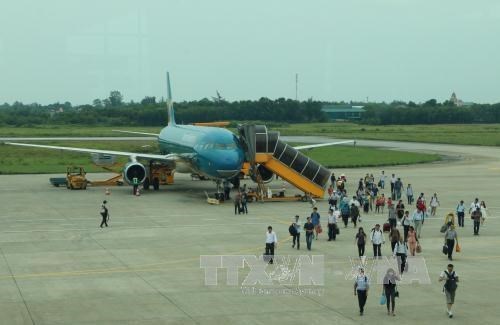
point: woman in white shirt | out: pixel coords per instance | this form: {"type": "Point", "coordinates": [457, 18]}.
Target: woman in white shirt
{"type": "Point", "coordinates": [434, 204]}
{"type": "Point", "coordinates": [483, 211]}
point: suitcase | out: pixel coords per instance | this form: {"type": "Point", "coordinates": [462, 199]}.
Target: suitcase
{"type": "Point", "coordinates": [386, 227]}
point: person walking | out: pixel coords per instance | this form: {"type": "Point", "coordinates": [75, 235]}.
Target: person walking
{"type": "Point", "coordinates": [315, 220]}
{"type": "Point", "coordinates": [461, 213]}
{"type": "Point", "coordinates": [409, 194]}
{"type": "Point", "coordinates": [400, 252]}
{"type": "Point", "coordinates": [474, 205]}
{"type": "Point", "coordinates": [361, 241]}
{"type": "Point", "coordinates": [380, 203]}
{"type": "Point", "coordinates": [418, 221]}
{"type": "Point", "coordinates": [406, 222]}
{"type": "Point", "coordinates": [394, 237]}
{"type": "Point", "coordinates": [309, 229]}
{"type": "Point", "coordinates": [434, 204]}
{"type": "Point", "coordinates": [476, 216]}
{"type": "Point", "coordinates": [361, 287]}
{"type": "Point", "coordinates": [332, 225]}
{"type": "Point", "coordinates": [422, 204]}
{"type": "Point", "coordinates": [484, 212]}
{"type": "Point", "coordinates": [450, 236]}
{"type": "Point", "coordinates": [271, 243]}
{"type": "Point", "coordinates": [294, 231]}
{"type": "Point", "coordinates": [354, 212]}
{"type": "Point", "coordinates": [377, 239]}
{"type": "Point", "coordinates": [393, 182]}
{"type": "Point", "coordinates": [244, 201]}
{"type": "Point", "coordinates": [392, 216]}
{"type": "Point", "coordinates": [381, 182]}
{"type": "Point", "coordinates": [237, 203]}
{"type": "Point", "coordinates": [345, 212]}
{"type": "Point", "coordinates": [412, 240]}
{"type": "Point", "coordinates": [398, 186]}
{"type": "Point", "coordinates": [450, 287]}
{"type": "Point", "coordinates": [400, 209]}
{"type": "Point", "coordinates": [104, 214]}
{"type": "Point", "coordinates": [389, 288]}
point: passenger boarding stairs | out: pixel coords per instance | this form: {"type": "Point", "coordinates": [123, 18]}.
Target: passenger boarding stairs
{"type": "Point", "coordinates": [267, 153]}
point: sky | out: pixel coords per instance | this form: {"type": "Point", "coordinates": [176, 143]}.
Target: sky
{"type": "Point", "coordinates": [375, 50]}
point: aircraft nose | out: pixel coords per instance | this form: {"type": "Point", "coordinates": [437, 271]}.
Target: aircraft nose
{"type": "Point", "coordinates": [230, 165]}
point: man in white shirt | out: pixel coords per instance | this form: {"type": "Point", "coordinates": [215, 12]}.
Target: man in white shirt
{"type": "Point", "coordinates": [450, 287]}
{"type": "Point", "coordinates": [271, 243]}
{"type": "Point", "coordinates": [474, 205]}
{"type": "Point", "coordinates": [377, 239]}
{"type": "Point", "coordinates": [393, 181]}
{"type": "Point", "coordinates": [383, 176]}
{"type": "Point", "coordinates": [332, 224]}
{"type": "Point", "coordinates": [418, 219]}
{"type": "Point", "coordinates": [461, 213]}
{"type": "Point", "coordinates": [354, 201]}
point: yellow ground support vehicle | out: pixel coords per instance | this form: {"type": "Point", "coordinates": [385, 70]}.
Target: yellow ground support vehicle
{"type": "Point", "coordinates": [158, 174]}
{"type": "Point", "coordinates": [75, 178]}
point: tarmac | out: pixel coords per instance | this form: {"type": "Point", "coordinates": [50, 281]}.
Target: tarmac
{"type": "Point", "coordinates": [58, 266]}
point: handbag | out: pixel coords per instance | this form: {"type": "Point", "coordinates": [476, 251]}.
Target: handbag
{"type": "Point", "coordinates": [337, 230]}
{"type": "Point", "coordinates": [458, 248]}
{"type": "Point", "coordinates": [445, 249]}
{"type": "Point", "coordinates": [383, 299]}
{"type": "Point", "coordinates": [419, 248]}
{"type": "Point", "coordinates": [320, 229]}
{"type": "Point", "coordinates": [443, 228]}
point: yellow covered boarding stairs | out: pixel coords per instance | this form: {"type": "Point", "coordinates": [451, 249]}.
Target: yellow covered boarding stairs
{"type": "Point", "coordinates": [267, 155]}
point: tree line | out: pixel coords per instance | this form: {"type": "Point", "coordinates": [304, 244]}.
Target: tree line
{"type": "Point", "coordinates": [149, 112]}
{"type": "Point", "coordinates": [430, 112]}
{"type": "Point", "coordinates": [113, 111]}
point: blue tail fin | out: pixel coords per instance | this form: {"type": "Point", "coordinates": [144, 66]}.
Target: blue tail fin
{"type": "Point", "coordinates": [170, 104]}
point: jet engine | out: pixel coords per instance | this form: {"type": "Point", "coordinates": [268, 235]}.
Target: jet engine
{"type": "Point", "coordinates": [134, 169]}
{"type": "Point", "coordinates": [265, 174]}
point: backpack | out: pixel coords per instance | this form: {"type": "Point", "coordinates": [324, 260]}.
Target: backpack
{"type": "Point", "coordinates": [345, 209]}
{"type": "Point", "coordinates": [451, 282]}
{"type": "Point", "coordinates": [292, 230]}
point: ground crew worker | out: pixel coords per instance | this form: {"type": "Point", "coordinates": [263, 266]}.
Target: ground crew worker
{"type": "Point", "coordinates": [135, 183]}
{"type": "Point", "coordinates": [104, 214]}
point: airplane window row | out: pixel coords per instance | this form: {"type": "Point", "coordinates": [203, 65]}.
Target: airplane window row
{"type": "Point", "coordinates": [217, 146]}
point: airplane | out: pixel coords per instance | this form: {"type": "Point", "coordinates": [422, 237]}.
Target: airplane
{"type": "Point", "coordinates": [213, 152]}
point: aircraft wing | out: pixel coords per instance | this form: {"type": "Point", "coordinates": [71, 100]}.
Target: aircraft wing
{"type": "Point", "coordinates": [169, 157]}
{"type": "Point", "coordinates": [311, 146]}
{"type": "Point", "coordinates": [133, 132]}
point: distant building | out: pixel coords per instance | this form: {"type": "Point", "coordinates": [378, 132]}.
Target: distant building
{"type": "Point", "coordinates": [458, 102]}
{"type": "Point", "coordinates": [342, 112]}
{"type": "Point", "coordinates": [454, 99]}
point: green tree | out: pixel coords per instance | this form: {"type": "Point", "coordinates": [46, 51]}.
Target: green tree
{"type": "Point", "coordinates": [115, 98]}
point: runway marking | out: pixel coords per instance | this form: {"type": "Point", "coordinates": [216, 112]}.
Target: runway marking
{"type": "Point", "coordinates": [128, 228]}
{"type": "Point", "coordinates": [128, 269]}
